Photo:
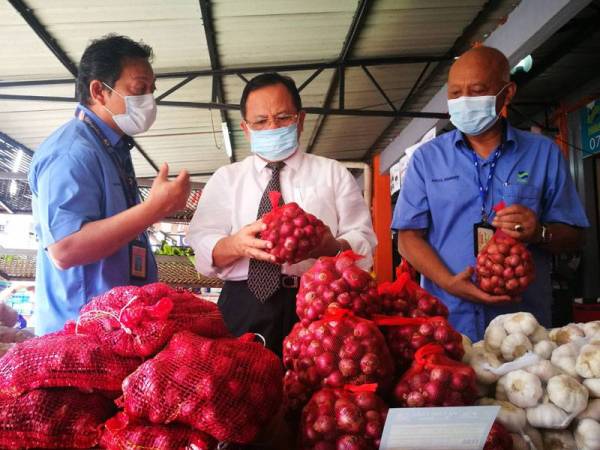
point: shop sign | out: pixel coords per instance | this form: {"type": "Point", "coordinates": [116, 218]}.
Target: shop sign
{"type": "Point", "coordinates": [590, 127]}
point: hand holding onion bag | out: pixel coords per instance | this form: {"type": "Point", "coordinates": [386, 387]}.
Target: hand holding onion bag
{"type": "Point", "coordinates": [228, 388]}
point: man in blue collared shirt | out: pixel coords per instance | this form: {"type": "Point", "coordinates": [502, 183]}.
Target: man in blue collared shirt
{"type": "Point", "coordinates": [89, 219]}
{"type": "Point", "coordinates": [453, 182]}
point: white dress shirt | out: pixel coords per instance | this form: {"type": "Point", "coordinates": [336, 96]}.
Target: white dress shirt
{"type": "Point", "coordinates": [321, 186]}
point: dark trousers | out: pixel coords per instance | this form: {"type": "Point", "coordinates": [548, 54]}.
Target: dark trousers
{"type": "Point", "coordinates": [243, 313]}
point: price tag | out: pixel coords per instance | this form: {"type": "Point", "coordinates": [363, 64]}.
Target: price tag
{"type": "Point", "coordinates": [451, 428]}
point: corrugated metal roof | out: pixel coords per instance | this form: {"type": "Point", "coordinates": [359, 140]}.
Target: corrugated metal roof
{"type": "Point", "coordinates": [247, 34]}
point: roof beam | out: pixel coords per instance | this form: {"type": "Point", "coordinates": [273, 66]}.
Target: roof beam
{"type": "Point", "coordinates": [338, 79]}
{"type": "Point", "coordinates": [297, 67]}
{"type": "Point", "coordinates": [218, 94]}
{"type": "Point", "coordinates": [526, 28]}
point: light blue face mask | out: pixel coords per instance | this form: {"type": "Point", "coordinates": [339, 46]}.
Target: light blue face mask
{"type": "Point", "coordinates": [276, 144]}
{"type": "Point", "coordinates": [474, 115]}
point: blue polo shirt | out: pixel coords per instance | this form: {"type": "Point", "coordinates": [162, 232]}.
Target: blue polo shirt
{"type": "Point", "coordinates": [74, 181]}
{"type": "Point", "coordinates": [440, 194]}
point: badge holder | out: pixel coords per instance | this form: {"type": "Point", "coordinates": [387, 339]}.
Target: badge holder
{"type": "Point", "coordinates": [138, 260]}
{"type": "Point", "coordinates": [482, 233]}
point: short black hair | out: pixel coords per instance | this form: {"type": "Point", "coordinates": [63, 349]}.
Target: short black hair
{"type": "Point", "coordinates": [270, 79]}
{"type": "Point", "coordinates": [103, 60]}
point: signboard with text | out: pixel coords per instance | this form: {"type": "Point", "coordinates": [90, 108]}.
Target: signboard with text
{"type": "Point", "coordinates": [590, 128]}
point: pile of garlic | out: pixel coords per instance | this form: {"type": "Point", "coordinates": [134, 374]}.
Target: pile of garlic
{"type": "Point", "coordinates": [547, 382]}
{"type": "Point", "coordinates": [9, 335]}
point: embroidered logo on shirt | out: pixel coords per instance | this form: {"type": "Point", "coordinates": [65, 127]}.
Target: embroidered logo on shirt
{"type": "Point", "coordinates": [522, 176]}
{"type": "Point", "coordinates": [437, 180]}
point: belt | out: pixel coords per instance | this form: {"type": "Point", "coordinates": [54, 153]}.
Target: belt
{"type": "Point", "coordinates": [290, 281]}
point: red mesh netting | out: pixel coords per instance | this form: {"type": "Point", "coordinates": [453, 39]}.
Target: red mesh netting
{"type": "Point", "coordinates": [53, 418]}
{"type": "Point", "coordinates": [63, 360]}
{"type": "Point", "coordinates": [337, 350]}
{"type": "Point", "coordinates": [436, 380]}
{"type": "Point", "coordinates": [343, 419]}
{"type": "Point", "coordinates": [139, 321]}
{"type": "Point", "coordinates": [121, 433]}
{"type": "Point", "coordinates": [228, 388]}
{"type": "Point", "coordinates": [498, 438]}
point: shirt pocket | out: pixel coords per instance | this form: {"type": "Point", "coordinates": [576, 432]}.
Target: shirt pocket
{"type": "Point", "coordinates": [319, 201]}
{"type": "Point", "coordinates": [526, 195]}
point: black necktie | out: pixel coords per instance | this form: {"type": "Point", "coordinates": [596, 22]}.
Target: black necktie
{"type": "Point", "coordinates": [264, 277]}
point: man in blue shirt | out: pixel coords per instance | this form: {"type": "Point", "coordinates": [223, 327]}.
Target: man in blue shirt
{"type": "Point", "coordinates": [453, 182]}
{"type": "Point", "coordinates": [88, 216]}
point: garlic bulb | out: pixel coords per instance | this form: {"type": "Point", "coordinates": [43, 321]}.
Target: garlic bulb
{"type": "Point", "coordinates": [519, 443]}
{"type": "Point", "coordinates": [591, 329]}
{"type": "Point", "coordinates": [544, 349]}
{"type": "Point", "coordinates": [493, 338]}
{"type": "Point", "coordinates": [479, 358]}
{"type": "Point", "coordinates": [567, 393]}
{"type": "Point", "coordinates": [547, 415]}
{"type": "Point", "coordinates": [566, 334]}
{"type": "Point", "coordinates": [523, 389]}
{"type": "Point", "coordinates": [501, 389]}
{"type": "Point", "coordinates": [544, 370]}
{"type": "Point", "coordinates": [558, 440]}
{"type": "Point", "coordinates": [587, 364]}
{"type": "Point", "coordinates": [565, 356]}
{"type": "Point", "coordinates": [515, 345]}
{"type": "Point", "coordinates": [511, 416]}
{"type": "Point", "coordinates": [468, 348]}
{"type": "Point", "coordinates": [535, 437]}
{"type": "Point", "coordinates": [540, 334]}
{"type": "Point", "coordinates": [587, 435]}
{"type": "Point", "coordinates": [521, 322]}
{"type": "Point", "coordinates": [592, 411]}
{"type": "Point", "coordinates": [593, 385]}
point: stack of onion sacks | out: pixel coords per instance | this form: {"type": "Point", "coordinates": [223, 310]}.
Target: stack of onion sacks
{"type": "Point", "coordinates": [347, 418]}
{"type": "Point", "coordinates": [292, 232]}
{"type": "Point", "coordinates": [337, 350]}
{"type": "Point", "coordinates": [337, 281]}
{"type": "Point", "coordinates": [504, 266]}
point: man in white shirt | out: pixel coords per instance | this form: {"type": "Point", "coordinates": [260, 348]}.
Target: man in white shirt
{"type": "Point", "coordinates": [259, 296]}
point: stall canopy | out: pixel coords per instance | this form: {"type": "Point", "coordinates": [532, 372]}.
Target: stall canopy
{"type": "Point", "coordinates": [361, 66]}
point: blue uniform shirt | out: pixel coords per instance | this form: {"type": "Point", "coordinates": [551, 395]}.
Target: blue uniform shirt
{"type": "Point", "coordinates": [440, 193]}
{"type": "Point", "coordinates": [74, 181]}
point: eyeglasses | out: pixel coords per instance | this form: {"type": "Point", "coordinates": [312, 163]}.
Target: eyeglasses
{"type": "Point", "coordinates": [280, 120]}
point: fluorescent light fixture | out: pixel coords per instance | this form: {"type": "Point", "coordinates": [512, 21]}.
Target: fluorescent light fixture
{"type": "Point", "coordinates": [17, 162]}
{"type": "Point", "coordinates": [13, 188]}
{"type": "Point", "coordinates": [226, 139]}
{"type": "Point", "coordinates": [523, 66]}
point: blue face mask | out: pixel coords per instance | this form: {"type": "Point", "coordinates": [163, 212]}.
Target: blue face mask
{"type": "Point", "coordinates": [276, 144]}
{"type": "Point", "coordinates": [474, 115]}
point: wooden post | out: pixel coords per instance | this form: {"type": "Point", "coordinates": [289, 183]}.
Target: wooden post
{"type": "Point", "coordinates": [382, 219]}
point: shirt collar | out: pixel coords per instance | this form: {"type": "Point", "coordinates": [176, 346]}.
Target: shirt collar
{"type": "Point", "coordinates": [293, 162]}
{"type": "Point", "coordinates": [112, 136]}
{"type": "Point", "coordinates": [510, 138]}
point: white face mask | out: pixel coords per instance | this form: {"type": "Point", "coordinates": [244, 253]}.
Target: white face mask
{"type": "Point", "coordinates": [140, 113]}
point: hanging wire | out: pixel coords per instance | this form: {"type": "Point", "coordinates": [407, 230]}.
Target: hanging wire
{"type": "Point", "coordinates": [214, 130]}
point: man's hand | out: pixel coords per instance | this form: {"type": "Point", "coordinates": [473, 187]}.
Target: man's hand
{"type": "Point", "coordinates": [247, 245]}
{"type": "Point", "coordinates": [329, 245]}
{"type": "Point", "coordinates": [461, 285]}
{"type": "Point", "coordinates": [508, 218]}
{"type": "Point", "coordinates": [167, 197]}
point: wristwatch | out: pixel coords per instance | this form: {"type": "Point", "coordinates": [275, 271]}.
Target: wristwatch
{"type": "Point", "coordinates": [545, 235]}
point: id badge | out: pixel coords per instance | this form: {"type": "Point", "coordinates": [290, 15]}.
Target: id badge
{"type": "Point", "coordinates": [138, 260]}
{"type": "Point", "coordinates": [482, 233]}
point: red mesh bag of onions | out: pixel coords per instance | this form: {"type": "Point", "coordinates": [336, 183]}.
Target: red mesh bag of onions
{"type": "Point", "coordinates": [63, 360]}
{"type": "Point", "coordinates": [404, 297]}
{"type": "Point", "coordinates": [436, 380]}
{"type": "Point", "coordinates": [139, 321]}
{"type": "Point", "coordinates": [504, 266]}
{"type": "Point", "coordinates": [348, 418]}
{"type": "Point", "coordinates": [123, 433]}
{"type": "Point", "coordinates": [337, 350]}
{"type": "Point", "coordinates": [498, 438]}
{"type": "Point", "coordinates": [228, 388]}
{"type": "Point", "coordinates": [293, 232]}
{"type": "Point", "coordinates": [336, 281]}
{"type": "Point", "coordinates": [406, 335]}
{"type": "Point", "coordinates": [53, 418]}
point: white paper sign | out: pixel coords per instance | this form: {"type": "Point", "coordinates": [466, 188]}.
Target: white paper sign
{"type": "Point", "coordinates": [452, 428]}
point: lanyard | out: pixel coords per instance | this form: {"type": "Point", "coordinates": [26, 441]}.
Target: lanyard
{"type": "Point", "coordinates": [483, 191]}
{"type": "Point", "coordinates": [128, 181]}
